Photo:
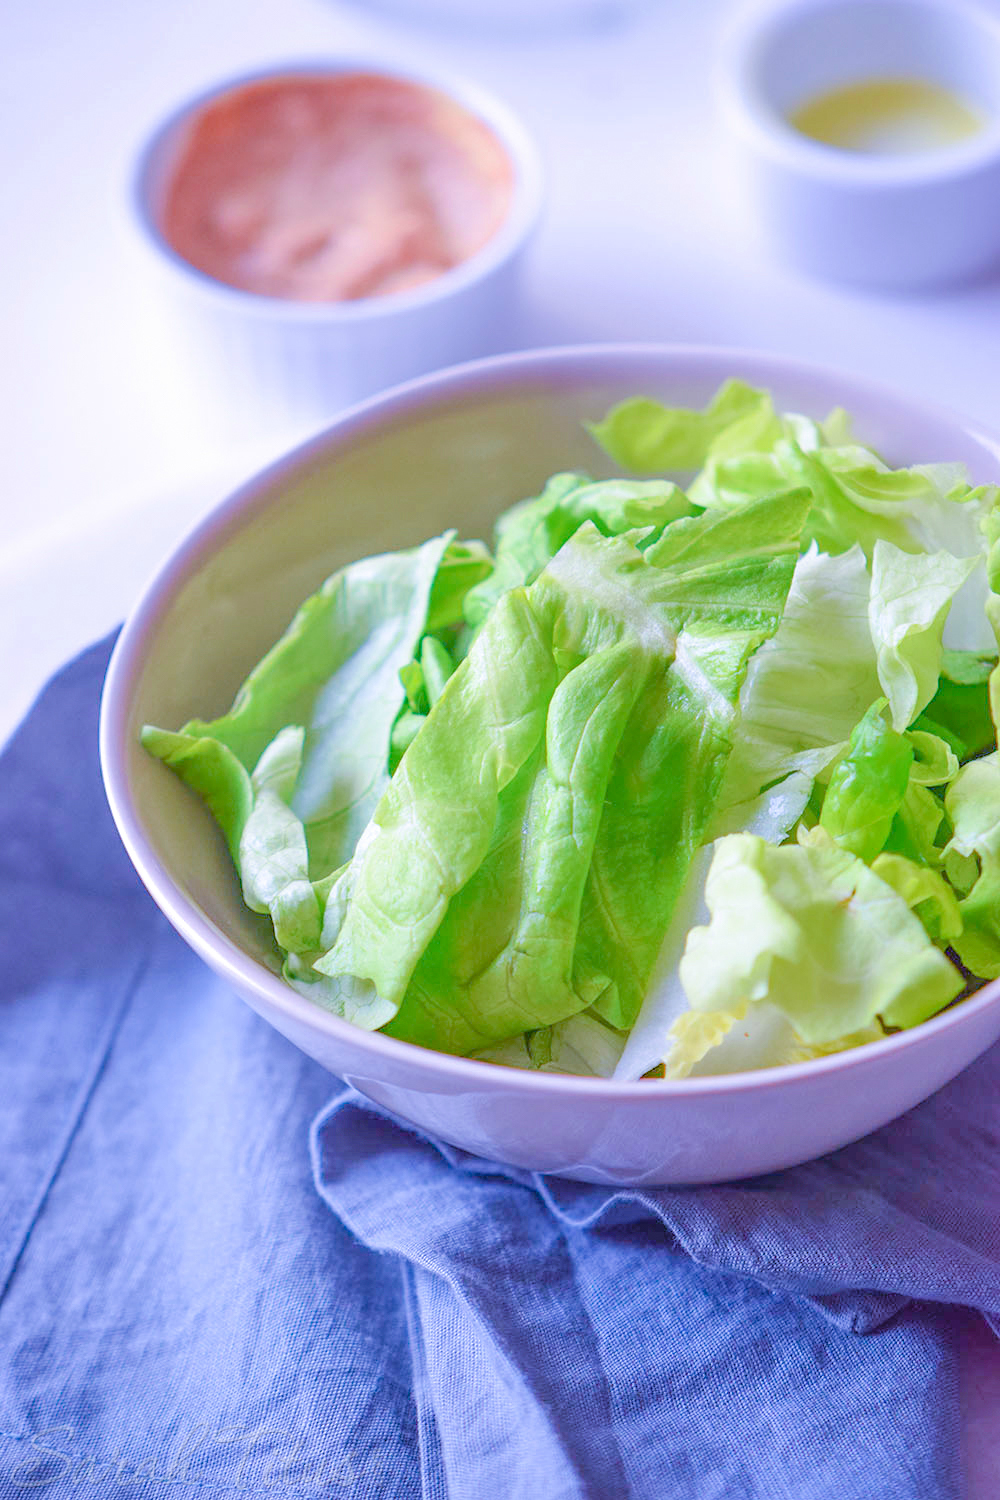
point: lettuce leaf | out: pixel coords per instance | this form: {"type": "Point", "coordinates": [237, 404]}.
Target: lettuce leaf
{"type": "Point", "coordinates": [926, 508]}
{"type": "Point", "coordinates": [811, 930]}
{"type": "Point", "coordinates": [867, 786]}
{"type": "Point", "coordinates": [808, 686]}
{"type": "Point", "coordinates": [524, 862]}
{"type": "Point", "coordinates": [529, 534]}
{"type": "Point", "coordinates": [582, 1045]}
{"type": "Point", "coordinates": [211, 769]}
{"type": "Point", "coordinates": [911, 595]}
{"type": "Point", "coordinates": [647, 437]}
{"type": "Point", "coordinates": [704, 1044]}
{"type": "Point", "coordinates": [303, 752]}
{"type": "Point", "coordinates": [925, 892]}
{"type": "Point", "coordinates": [462, 567]}
{"type": "Point", "coordinates": [934, 761]}
{"type": "Point", "coordinates": [770, 816]}
{"type": "Point", "coordinates": [973, 805]}
{"type": "Point", "coordinates": [273, 857]}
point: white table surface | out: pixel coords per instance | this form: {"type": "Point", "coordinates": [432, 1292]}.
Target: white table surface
{"type": "Point", "coordinates": [105, 464]}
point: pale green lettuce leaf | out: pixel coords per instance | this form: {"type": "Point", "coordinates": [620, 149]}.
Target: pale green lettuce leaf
{"type": "Point", "coordinates": [934, 761]}
{"type": "Point", "coordinates": [647, 437]}
{"type": "Point", "coordinates": [344, 995]}
{"type": "Point", "coordinates": [462, 567]}
{"type": "Point", "coordinates": [273, 858]}
{"type": "Point", "coordinates": [744, 449]}
{"type": "Point", "coordinates": [350, 999]}
{"type": "Point", "coordinates": [581, 1045]}
{"type": "Point", "coordinates": [808, 686]}
{"type": "Point", "coordinates": [857, 498]}
{"type": "Point", "coordinates": [412, 678]}
{"type": "Point", "coordinates": [846, 637]}
{"type": "Point", "coordinates": [811, 930]}
{"type": "Point", "coordinates": [973, 805]}
{"type": "Point", "coordinates": [334, 673]}
{"type": "Point", "coordinates": [423, 682]}
{"type": "Point", "coordinates": [404, 732]}
{"type": "Point", "coordinates": [911, 595]}
{"type": "Point", "coordinates": [925, 891]}
{"type": "Point", "coordinates": [436, 666]}
{"type": "Point", "coordinates": [770, 816]}
{"type": "Point", "coordinates": [967, 628]}
{"type": "Point", "coordinates": [726, 579]}
{"type": "Point", "coordinates": [991, 537]}
{"type": "Point", "coordinates": [706, 1044]}
{"type": "Point", "coordinates": [925, 508]}
{"type": "Point", "coordinates": [537, 975]}
{"type": "Point", "coordinates": [527, 535]}
{"type": "Point", "coordinates": [665, 999]}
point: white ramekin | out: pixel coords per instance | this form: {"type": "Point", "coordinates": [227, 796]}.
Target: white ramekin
{"type": "Point", "coordinates": [270, 366]}
{"type": "Point", "coordinates": [905, 221]}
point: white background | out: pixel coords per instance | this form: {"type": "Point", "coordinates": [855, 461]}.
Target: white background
{"type": "Point", "coordinates": [105, 464]}
{"type": "Point", "coordinates": [105, 461]}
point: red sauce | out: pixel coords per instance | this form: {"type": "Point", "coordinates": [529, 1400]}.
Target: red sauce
{"type": "Point", "coordinates": [330, 187]}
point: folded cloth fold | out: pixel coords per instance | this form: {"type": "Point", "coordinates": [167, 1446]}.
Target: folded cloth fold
{"type": "Point", "coordinates": [692, 1341]}
{"type": "Point", "coordinates": [181, 1314]}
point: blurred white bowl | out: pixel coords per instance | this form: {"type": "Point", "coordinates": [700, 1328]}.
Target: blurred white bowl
{"type": "Point", "coordinates": [453, 450]}
{"type": "Point", "coordinates": [885, 220]}
{"type": "Point", "coordinates": [506, 17]}
{"type": "Point", "coordinates": [262, 365]}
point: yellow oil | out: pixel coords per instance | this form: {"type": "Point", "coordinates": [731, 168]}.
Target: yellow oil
{"type": "Point", "coordinates": [887, 116]}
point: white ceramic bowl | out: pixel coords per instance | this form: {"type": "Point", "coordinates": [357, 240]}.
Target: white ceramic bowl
{"type": "Point", "coordinates": [271, 365]}
{"type": "Point", "coordinates": [454, 449]}
{"type": "Point", "coordinates": [905, 221]}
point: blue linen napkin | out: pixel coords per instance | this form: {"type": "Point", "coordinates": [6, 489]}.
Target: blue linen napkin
{"type": "Point", "coordinates": [182, 1315]}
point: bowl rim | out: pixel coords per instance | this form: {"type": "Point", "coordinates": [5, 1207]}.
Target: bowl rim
{"type": "Point", "coordinates": [755, 28]}
{"type": "Point", "coordinates": [517, 227]}
{"type": "Point", "coordinates": [256, 494]}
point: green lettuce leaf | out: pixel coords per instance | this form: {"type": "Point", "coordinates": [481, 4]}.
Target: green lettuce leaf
{"type": "Point", "coordinates": [811, 930]}
{"type": "Point", "coordinates": [335, 676]}
{"type": "Point", "coordinates": [911, 595]}
{"type": "Point", "coordinates": [809, 685]}
{"type": "Point", "coordinates": [273, 858]}
{"type": "Point", "coordinates": [917, 825]}
{"type": "Point", "coordinates": [991, 537]}
{"type": "Point", "coordinates": [524, 862]}
{"type": "Point", "coordinates": [744, 449]}
{"type": "Point", "coordinates": [867, 787]}
{"type": "Point", "coordinates": [647, 437]}
{"type": "Point", "coordinates": [462, 567]}
{"type": "Point", "coordinates": [926, 892]}
{"type": "Point", "coordinates": [582, 1045]}
{"type": "Point", "coordinates": [770, 816]}
{"type": "Point", "coordinates": [973, 804]}
{"type": "Point", "coordinates": [705, 1044]}
{"type": "Point", "coordinates": [529, 534]}
{"type": "Point", "coordinates": [846, 637]}
{"type": "Point", "coordinates": [934, 761]}
{"type": "Point", "coordinates": [857, 498]}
